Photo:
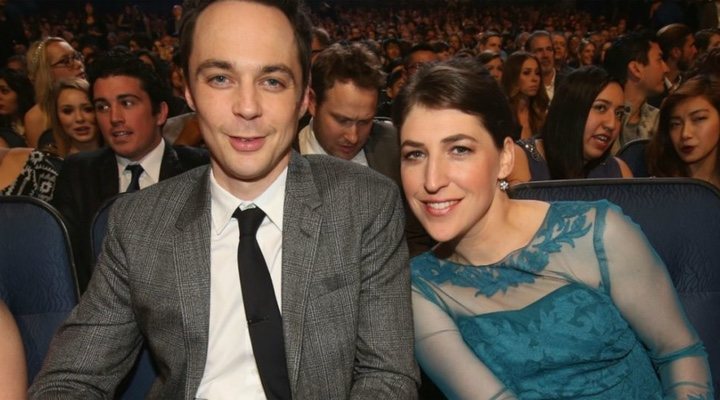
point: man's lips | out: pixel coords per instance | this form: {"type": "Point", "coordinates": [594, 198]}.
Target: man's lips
{"type": "Point", "coordinates": [247, 144]}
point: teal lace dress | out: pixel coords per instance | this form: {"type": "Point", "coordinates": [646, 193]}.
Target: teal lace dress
{"type": "Point", "coordinates": [585, 310]}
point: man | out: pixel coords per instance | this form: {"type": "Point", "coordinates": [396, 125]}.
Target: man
{"type": "Point", "coordinates": [540, 44]}
{"type": "Point", "coordinates": [345, 86]}
{"type": "Point", "coordinates": [320, 41]}
{"type": "Point", "coordinates": [419, 55]}
{"type": "Point", "coordinates": [490, 40]}
{"type": "Point", "coordinates": [328, 253]}
{"type": "Point", "coordinates": [635, 60]}
{"type": "Point", "coordinates": [677, 43]}
{"type": "Point", "coordinates": [131, 108]}
{"type": "Point", "coordinates": [561, 53]}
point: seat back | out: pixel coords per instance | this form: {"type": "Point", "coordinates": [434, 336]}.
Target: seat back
{"type": "Point", "coordinates": [633, 153]}
{"type": "Point", "coordinates": [140, 379]}
{"type": "Point", "coordinates": [681, 219]}
{"type": "Point", "coordinates": [37, 275]}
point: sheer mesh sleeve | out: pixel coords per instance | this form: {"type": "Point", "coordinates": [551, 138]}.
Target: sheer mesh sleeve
{"type": "Point", "coordinates": [643, 292]}
{"type": "Point", "coordinates": [447, 359]}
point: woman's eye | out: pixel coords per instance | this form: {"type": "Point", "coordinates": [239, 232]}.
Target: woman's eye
{"type": "Point", "coordinates": [601, 108]}
{"type": "Point", "coordinates": [460, 150]}
{"type": "Point", "coordinates": [412, 155]}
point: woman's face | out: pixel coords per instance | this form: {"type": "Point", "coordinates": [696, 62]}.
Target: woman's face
{"type": "Point", "coordinates": [694, 131]}
{"type": "Point", "coordinates": [529, 81]}
{"type": "Point", "coordinates": [64, 61]}
{"type": "Point", "coordinates": [76, 115]}
{"type": "Point", "coordinates": [495, 67]}
{"type": "Point", "coordinates": [587, 54]}
{"type": "Point", "coordinates": [603, 122]}
{"type": "Point", "coordinates": [8, 99]}
{"type": "Point", "coordinates": [450, 167]}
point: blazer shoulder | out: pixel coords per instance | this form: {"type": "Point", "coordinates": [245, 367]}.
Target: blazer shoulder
{"type": "Point", "coordinates": [191, 157]}
{"type": "Point", "coordinates": [342, 176]}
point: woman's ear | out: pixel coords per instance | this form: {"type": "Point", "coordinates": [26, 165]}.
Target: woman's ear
{"type": "Point", "coordinates": [507, 158]}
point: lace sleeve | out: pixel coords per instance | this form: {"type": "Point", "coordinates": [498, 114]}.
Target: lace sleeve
{"type": "Point", "coordinates": [643, 292]}
{"type": "Point", "coordinates": [447, 360]}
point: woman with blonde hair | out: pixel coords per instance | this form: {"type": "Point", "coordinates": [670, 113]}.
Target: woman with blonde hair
{"type": "Point", "coordinates": [72, 118]}
{"type": "Point", "coordinates": [49, 59]}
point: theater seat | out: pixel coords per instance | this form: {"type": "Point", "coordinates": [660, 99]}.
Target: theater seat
{"type": "Point", "coordinates": [681, 218]}
{"type": "Point", "coordinates": [141, 377]}
{"type": "Point", "coordinates": [633, 153]}
{"type": "Point", "coordinates": [37, 276]}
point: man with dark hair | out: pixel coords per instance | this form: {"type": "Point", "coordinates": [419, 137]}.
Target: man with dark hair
{"type": "Point", "coordinates": [266, 275]}
{"type": "Point", "coordinates": [677, 43]}
{"type": "Point", "coordinates": [490, 40]}
{"type": "Point", "coordinates": [635, 60]}
{"type": "Point", "coordinates": [320, 41]}
{"type": "Point", "coordinates": [419, 55]}
{"type": "Point", "coordinates": [131, 107]}
{"type": "Point", "coordinates": [540, 44]}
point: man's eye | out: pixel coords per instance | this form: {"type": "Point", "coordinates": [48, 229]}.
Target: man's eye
{"type": "Point", "coordinates": [100, 107]}
{"type": "Point", "coordinates": [219, 80]}
{"type": "Point", "coordinates": [127, 103]}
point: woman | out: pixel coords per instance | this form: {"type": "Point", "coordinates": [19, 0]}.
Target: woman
{"type": "Point", "coordinates": [16, 98]}
{"type": "Point", "coordinates": [522, 82]}
{"type": "Point", "coordinates": [493, 63]}
{"type": "Point", "coordinates": [49, 59]}
{"type": "Point", "coordinates": [582, 125]}
{"type": "Point", "coordinates": [586, 53]}
{"type": "Point", "coordinates": [72, 118]}
{"type": "Point", "coordinates": [525, 299]}
{"type": "Point", "coordinates": [686, 142]}
{"type": "Point", "coordinates": [13, 372]}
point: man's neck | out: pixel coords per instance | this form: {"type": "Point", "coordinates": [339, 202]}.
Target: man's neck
{"type": "Point", "coordinates": [635, 97]}
{"type": "Point", "coordinates": [548, 77]}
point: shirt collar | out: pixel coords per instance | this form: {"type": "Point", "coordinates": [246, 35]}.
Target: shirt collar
{"type": "Point", "coordinates": [310, 145]}
{"type": "Point", "coordinates": [224, 204]}
{"type": "Point", "coordinates": [151, 162]}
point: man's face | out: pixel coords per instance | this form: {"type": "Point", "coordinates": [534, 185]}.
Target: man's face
{"type": "Point", "coordinates": [245, 82]}
{"type": "Point", "coordinates": [542, 48]}
{"type": "Point", "coordinates": [418, 59]}
{"type": "Point", "coordinates": [560, 47]}
{"type": "Point", "coordinates": [689, 52]}
{"type": "Point", "coordinates": [494, 43]}
{"type": "Point", "coordinates": [652, 75]}
{"type": "Point", "coordinates": [123, 111]}
{"type": "Point", "coordinates": [342, 122]}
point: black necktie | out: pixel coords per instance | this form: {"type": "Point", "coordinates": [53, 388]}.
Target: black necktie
{"type": "Point", "coordinates": [136, 170]}
{"type": "Point", "coordinates": [261, 308]}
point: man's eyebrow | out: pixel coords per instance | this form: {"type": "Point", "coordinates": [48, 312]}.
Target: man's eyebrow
{"type": "Point", "coordinates": [281, 68]}
{"type": "Point", "coordinates": [212, 63]}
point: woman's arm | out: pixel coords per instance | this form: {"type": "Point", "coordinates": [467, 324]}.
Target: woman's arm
{"type": "Point", "coordinates": [624, 168]}
{"type": "Point", "coordinates": [643, 292]}
{"type": "Point", "coordinates": [447, 360]}
{"type": "Point", "coordinates": [13, 371]}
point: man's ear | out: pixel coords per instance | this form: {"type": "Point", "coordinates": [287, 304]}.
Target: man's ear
{"type": "Point", "coordinates": [304, 102]}
{"type": "Point", "coordinates": [312, 102]}
{"type": "Point", "coordinates": [635, 70]}
{"type": "Point", "coordinates": [507, 158]}
{"type": "Point", "coordinates": [189, 97]}
{"type": "Point", "coordinates": [162, 114]}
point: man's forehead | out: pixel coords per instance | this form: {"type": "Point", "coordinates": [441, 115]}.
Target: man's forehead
{"type": "Point", "coordinates": [117, 85]}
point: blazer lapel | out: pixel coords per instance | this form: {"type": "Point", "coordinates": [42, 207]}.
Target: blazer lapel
{"type": "Point", "coordinates": [191, 249]}
{"type": "Point", "coordinates": [301, 230]}
{"type": "Point", "coordinates": [170, 165]}
{"type": "Point", "coordinates": [108, 178]}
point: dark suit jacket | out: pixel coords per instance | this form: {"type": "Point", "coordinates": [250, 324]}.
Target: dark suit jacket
{"type": "Point", "coordinates": [87, 180]}
{"type": "Point", "coordinates": [345, 295]}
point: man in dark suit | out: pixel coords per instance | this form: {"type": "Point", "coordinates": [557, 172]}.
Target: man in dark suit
{"type": "Point", "coordinates": [345, 86]}
{"type": "Point", "coordinates": [540, 44]}
{"type": "Point", "coordinates": [130, 111]}
{"type": "Point", "coordinates": [181, 257]}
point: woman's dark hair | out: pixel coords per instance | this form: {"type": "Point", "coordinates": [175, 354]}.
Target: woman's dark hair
{"type": "Point", "coordinates": [458, 84]}
{"type": "Point", "coordinates": [21, 85]}
{"type": "Point", "coordinates": [487, 56]}
{"type": "Point", "coordinates": [563, 134]}
{"type": "Point", "coordinates": [662, 158]}
{"type": "Point", "coordinates": [538, 104]}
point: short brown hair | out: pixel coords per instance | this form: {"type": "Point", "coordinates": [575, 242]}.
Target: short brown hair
{"type": "Point", "coordinates": [342, 63]}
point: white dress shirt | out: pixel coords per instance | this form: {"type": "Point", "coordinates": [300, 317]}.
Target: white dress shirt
{"type": "Point", "coordinates": [310, 145]}
{"type": "Point", "coordinates": [230, 369]}
{"type": "Point", "coordinates": [151, 168]}
{"type": "Point", "coordinates": [550, 89]}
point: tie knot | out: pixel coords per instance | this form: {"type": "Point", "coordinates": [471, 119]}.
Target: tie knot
{"type": "Point", "coordinates": [135, 169]}
{"type": "Point", "coordinates": [249, 220]}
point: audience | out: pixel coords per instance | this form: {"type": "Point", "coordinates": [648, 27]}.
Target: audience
{"type": "Point", "coordinates": [49, 59]}
{"type": "Point", "coordinates": [525, 299]}
{"type": "Point", "coordinates": [493, 62]}
{"type": "Point", "coordinates": [635, 61]}
{"type": "Point", "coordinates": [540, 44]}
{"type": "Point", "coordinates": [582, 124]}
{"type": "Point", "coordinates": [131, 106]}
{"type": "Point", "coordinates": [30, 172]}
{"type": "Point", "coordinates": [16, 98]}
{"type": "Point", "coordinates": [522, 83]}
{"type": "Point", "coordinates": [686, 143]}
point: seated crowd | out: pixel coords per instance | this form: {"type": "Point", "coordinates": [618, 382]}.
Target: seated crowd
{"type": "Point", "coordinates": [450, 106]}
